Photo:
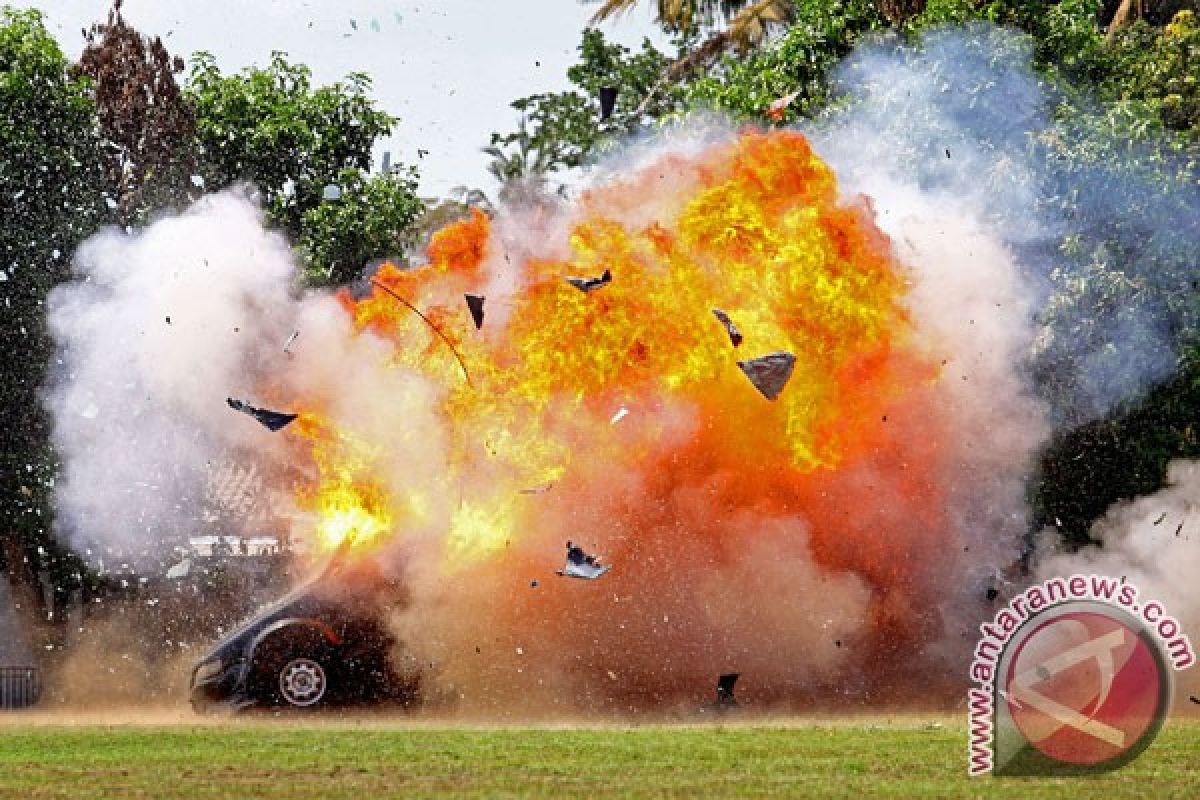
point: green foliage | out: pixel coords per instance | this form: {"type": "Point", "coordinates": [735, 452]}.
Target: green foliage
{"type": "Point", "coordinates": [564, 129]}
{"type": "Point", "coordinates": [50, 199]}
{"type": "Point", "coordinates": [800, 60]}
{"type": "Point", "coordinates": [1159, 70]}
{"type": "Point", "coordinates": [374, 217]}
{"type": "Point", "coordinates": [1088, 468]}
{"type": "Point", "coordinates": [271, 127]}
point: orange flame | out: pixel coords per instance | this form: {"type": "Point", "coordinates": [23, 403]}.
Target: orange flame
{"type": "Point", "coordinates": [610, 407]}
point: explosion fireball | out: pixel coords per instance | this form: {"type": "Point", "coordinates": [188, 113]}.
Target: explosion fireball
{"type": "Point", "coordinates": [619, 416]}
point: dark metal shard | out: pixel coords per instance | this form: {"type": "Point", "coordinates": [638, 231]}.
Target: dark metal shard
{"type": "Point", "coordinates": [725, 684]}
{"type": "Point", "coordinates": [735, 335]}
{"type": "Point", "coordinates": [769, 373]}
{"type": "Point", "coordinates": [475, 305]}
{"type": "Point", "coordinates": [608, 101]}
{"type": "Point", "coordinates": [582, 565]}
{"type": "Point", "coordinates": [588, 284]}
{"type": "Point", "coordinates": [271, 420]}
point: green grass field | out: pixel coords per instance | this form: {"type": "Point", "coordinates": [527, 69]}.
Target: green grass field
{"type": "Point", "coordinates": [372, 758]}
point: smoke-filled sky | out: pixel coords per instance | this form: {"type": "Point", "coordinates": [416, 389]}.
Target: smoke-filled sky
{"type": "Point", "coordinates": [839, 538]}
{"type": "Point", "coordinates": [447, 68]}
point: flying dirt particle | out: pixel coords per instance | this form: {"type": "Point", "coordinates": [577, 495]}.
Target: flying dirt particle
{"type": "Point", "coordinates": [533, 583]}
{"type": "Point", "coordinates": [1161, 517]}
{"type": "Point", "coordinates": [1179, 529]}
{"type": "Point", "coordinates": [168, 320]}
{"type": "Point", "coordinates": [622, 412]}
{"type": "Point", "coordinates": [837, 642]}
{"type": "Point", "coordinates": [1194, 699]}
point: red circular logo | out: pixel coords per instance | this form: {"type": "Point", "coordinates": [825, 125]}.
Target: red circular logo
{"type": "Point", "coordinates": [1085, 688]}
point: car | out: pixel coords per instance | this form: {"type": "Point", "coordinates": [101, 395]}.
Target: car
{"type": "Point", "coordinates": [326, 643]}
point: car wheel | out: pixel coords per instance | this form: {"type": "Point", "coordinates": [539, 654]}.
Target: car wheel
{"type": "Point", "coordinates": [293, 673]}
{"type": "Point", "coordinates": [302, 682]}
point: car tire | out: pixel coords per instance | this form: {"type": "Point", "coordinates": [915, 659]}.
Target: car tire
{"type": "Point", "coordinates": [294, 673]}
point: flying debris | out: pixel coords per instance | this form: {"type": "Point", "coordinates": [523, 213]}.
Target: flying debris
{"type": "Point", "coordinates": [778, 108]}
{"type": "Point", "coordinates": [725, 684]}
{"type": "Point", "coordinates": [621, 414]}
{"type": "Point", "coordinates": [271, 420]}
{"type": "Point", "coordinates": [475, 304]}
{"type": "Point", "coordinates": [769, 373]}
{"type": "Point", "coordinates": [1161, 517]}
{"type": "Point", "coordinates": [537, 489]}
{"type": "Point", "coordinates": [581, 565]}
{"type": "Point", "coordinates": [587, 284]}
{"type": "Point", "coordinates": [608, 101]}
{"type": "Point", "coordinates": [735, 335]}
{"type": "Point", "coordinates": [1194, 699]}
{"type": "Point", "coordinates": [288, 344]}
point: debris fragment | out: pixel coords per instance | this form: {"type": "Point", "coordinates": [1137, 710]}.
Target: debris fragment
{"type": "Point", "coordinates": [475, 305]}
{"type": "Point", "coordinates": [778, 108]}
{"type": "Point", "coordinates": [588, 284]}
{"type": "Point", "coordinates": [534, 583]}
{"type": "Point", "coordinates": [608, 101]}
{"type": "Point", "coordinates": [769, 373]}
{"type": "Point", "coordinates": [581, 565]}
{"type": "Point", "coordinates": [1179, 530]}
{"type": "Point", "coordinates": [621, 414]}
{"type": "Point", "coordinates": [735, 336]}
{"type": "Point", "coordinates": [545, 487]}
{"type": "Point", "coordinates": [426, 320]}
{"type": "Point", "coordinates": [1161, 517]}
{"type": "Point", "coordinates": [725, 684]}
{"type": "Point", "coordinates": [288, 344]}
{"type": "Point", "coordinates": [1194, 699]}
{"type": "Point", "coordinates": [168, 319]}
{"type": "Point", "coordinates": [271, 420]}
{"type": "Point", "coordinates": [947, 152]}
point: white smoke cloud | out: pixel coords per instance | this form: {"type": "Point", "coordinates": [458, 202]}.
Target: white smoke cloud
{"type": "Point", "coordinates": [1152, 542]}
{"type": "Point", "coordinates": [157, 330]}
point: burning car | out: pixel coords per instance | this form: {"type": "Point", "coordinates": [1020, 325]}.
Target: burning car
{"type": "Point", "coordinates": [326, 643]}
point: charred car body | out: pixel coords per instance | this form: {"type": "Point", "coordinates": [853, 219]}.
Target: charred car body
{"type": "Point", "coordinates": [325, 643]}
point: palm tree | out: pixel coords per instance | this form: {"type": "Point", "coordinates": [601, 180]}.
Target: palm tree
{"type": "Point", "coordinates": [747, 24]}
{"type": "Point", "coordinates": [747, 20]}
{"type": "Point", "coordinates": [522, 171]}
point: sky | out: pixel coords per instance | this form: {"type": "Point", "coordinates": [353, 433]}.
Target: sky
{"type": "Point", "coordinates": [447, 68]}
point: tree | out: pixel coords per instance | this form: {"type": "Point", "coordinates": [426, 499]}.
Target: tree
{"type": "Point", "coordinates": [51, 197]}
{"type": "Point", "coordinates": [565, 129]}
{"type": "Point", "coordinates": [146, 123]}
{"type": "Point", "coordinates": [746, 21]}
{"type": "Point", "coordinates": [799, 61]}
{"type": "Point", "coordinates": [374, 217]}
{"type": "Point", "coordinates": [271, 127]}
